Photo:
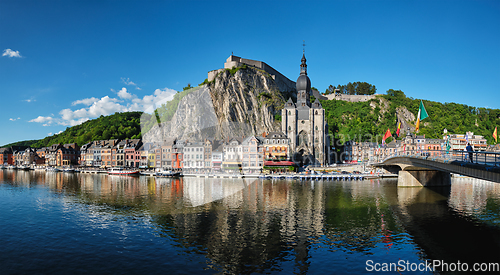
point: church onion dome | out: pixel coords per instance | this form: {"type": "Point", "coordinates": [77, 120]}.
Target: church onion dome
{"type": "Point", "coordinates": [303, 82]}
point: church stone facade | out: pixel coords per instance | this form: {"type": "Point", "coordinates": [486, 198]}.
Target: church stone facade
{"type": "Point", "coordinates": [304, 124]}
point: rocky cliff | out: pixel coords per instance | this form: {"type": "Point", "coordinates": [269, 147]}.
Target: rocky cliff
{"type": "Point", "coordinates": [238, 102]}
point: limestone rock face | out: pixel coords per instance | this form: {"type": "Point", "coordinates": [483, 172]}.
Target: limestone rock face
{"type": "Point", "coordinates": [194, 120]}
{"type": "Point", "coordinates": [240, 105]}
{"type": "Point", "coordinates": [245, 103]}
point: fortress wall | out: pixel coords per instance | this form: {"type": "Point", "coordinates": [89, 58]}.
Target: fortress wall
{"type": "Point", "coordinates": [258, 64]}
{"type": "Point", "coordinates": [350, 98]}
{"type": "Point", "coordinates": [282, 81]}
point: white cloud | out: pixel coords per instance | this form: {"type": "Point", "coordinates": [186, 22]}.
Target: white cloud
{"type": "Point", "coordinates": [106, 105]}
{"type": "Point", "coordinates": [11, 53]}
{"type": "Point", "coordinates": [29, 100]}
{"type": "Point", "coordinates": [150, 102]}
{"type": "Point", "coordinates": [14, 119]}
{"type": "Point", "coordinates": [43, 119]}
{"type": "Point", "coordinates": [127, 81]}
{"type": "Point", "coordinates": [85, 101]}
{"type": "Point", "coordinates": [124, 94]}
{"type": "Point", "coordinates": [73, 122]}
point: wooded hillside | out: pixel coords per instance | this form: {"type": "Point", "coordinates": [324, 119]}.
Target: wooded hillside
{"type": "Point", "coordinates": [116, 126]}
{"type": "Point", "coordinates": [349, 120]}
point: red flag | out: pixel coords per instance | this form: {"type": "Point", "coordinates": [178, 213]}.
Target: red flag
{"type": "Point", "coordinates": [399, 128]}
{"type": "Point", "coordinates": [387, 134]}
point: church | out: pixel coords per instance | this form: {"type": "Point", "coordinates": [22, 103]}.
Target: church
{"type": "Point", "coordinates": [304, 124]}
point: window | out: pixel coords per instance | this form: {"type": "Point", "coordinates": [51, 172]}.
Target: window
{"type": "Point", "coordinates": [303, 138]}
{"type": "Point", "coordinates": [289, 128]}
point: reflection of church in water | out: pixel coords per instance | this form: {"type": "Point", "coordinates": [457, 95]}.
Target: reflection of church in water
{"type": "Point", "coordinates": [304, 124]}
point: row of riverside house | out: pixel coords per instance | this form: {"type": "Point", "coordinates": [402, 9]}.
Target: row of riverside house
{"type": "Point", "coordinates": [55, 155]}
{"type": "Point", "coordinates": [370, 152]}
{"type": "Point", "coordinates": [250, 155]}
{"type": "Point", "coordinates": [230, 155]}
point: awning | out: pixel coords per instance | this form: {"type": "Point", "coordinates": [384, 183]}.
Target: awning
{"type": "Point", "coordinates": [279, 163]}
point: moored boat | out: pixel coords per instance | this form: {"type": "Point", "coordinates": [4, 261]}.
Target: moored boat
{"type": "Point", "coordinates": [122, 171]}
{"type": "Point", "coordinates": [69, 170]}
{"type": "Point", "coordinates": [168, 174]}
{"type": "Point", "coordinates": [53, 169]}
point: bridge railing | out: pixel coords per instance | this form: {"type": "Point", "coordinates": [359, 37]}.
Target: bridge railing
{"type": "Point", "coordinates": [478, 157]}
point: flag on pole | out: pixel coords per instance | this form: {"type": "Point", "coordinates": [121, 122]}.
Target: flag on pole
{"type": "Point", "coordinates": [422, 113]}
{"type": "Point", "coordinates": [399, 128]}
{"type": "Point", "coordinates": [387, 134]}
{"type": "Point", "coordinates": [495, 134]}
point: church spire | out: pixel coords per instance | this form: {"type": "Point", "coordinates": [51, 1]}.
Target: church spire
{"type": "Point", "coordinates": [303, 65]}
{"type": "Point", "coordinates": [303, 85]}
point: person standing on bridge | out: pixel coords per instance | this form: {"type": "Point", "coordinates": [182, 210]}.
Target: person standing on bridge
{"type": "Point", "coordinates": [470, 150]}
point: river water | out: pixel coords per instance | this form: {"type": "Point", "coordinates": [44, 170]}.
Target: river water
{"type": "Point", "coordinates": [58, 223]}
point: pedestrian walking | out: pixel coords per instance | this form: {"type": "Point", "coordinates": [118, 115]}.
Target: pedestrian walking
{"type": "Point", "coordinates": [470, 150]}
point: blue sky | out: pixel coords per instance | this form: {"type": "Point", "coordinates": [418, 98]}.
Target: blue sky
{"type": "Point", "coordinates": [63, 62]}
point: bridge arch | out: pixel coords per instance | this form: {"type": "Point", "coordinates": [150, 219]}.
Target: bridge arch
{"type": "Point", "coordinates": [424, 171]}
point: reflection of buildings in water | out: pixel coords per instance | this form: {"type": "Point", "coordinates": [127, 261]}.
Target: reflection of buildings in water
{"type": "Point", "coordinates": [200, 191]}
{"type": "Point", "coordinates": [254, 225]}
{"type": "Point", "coordinates": [169, 189]}
{"type": "Point", "coordinates": [359, 217]}
{"type": "Point", "coordinates": [469, 195]}
{"type": "Point", "coordinates": [269, 221]}
{"type": "Point", "coordinates": [434, 218]}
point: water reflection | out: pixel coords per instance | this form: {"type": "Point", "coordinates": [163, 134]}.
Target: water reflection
{"type": "Point", "coordinates": [455, 223]}
{"type": "Point", "coordinates": [255, 226]}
